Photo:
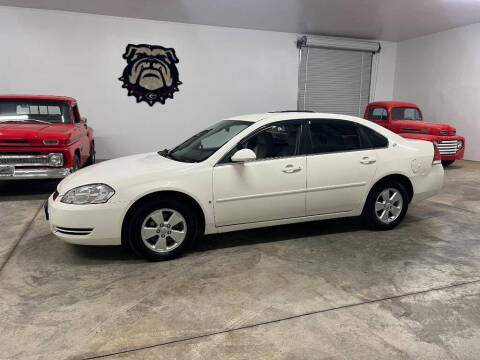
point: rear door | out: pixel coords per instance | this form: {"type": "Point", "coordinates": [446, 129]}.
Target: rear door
{"type": "Point", "coordinates": [340, 167]}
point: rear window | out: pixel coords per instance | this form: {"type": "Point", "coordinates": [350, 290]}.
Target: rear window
{"type": "Point", "coordinates": [406, 113]}
{"type": "Point", "coordinates": [376, 140]}
{"type": "Point", "coordinates": [25, 111]}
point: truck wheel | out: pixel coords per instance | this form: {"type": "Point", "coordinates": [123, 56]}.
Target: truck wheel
{"type": "Point", "coordinates": [161, 229]}
{"type": "Point", "coordinates": [386, 205]}
{"type": "Point", "coordinates": [446, 163]}
{"type": "Point", "coordinates": [91, 159]}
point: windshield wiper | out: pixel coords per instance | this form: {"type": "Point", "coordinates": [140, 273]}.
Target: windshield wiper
{"type": "Point", "coordinates": [164, 153]}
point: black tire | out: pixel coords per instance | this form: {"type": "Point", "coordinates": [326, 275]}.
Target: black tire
{"type": "Point", "coordinates": [76, 163]}
{"type": "Point", "coordinates": [370, 214]}
{"type": "Point", "coordinates": [135, 223]}
{"type": "Point", "coordinates": [91, 159]}
{"type": "Point", "coordinates": [446, 163]}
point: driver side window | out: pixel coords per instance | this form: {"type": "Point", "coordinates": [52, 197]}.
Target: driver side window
{"type": "Point", "coordinates": [275, 141]}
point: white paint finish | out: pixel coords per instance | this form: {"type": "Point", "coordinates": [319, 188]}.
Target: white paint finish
{"type": "Point", "coordinates": [372, 19]}
{"type": "Point", "coordinates": [441, 73]}
{"type": "Point", "coordinates": [224, 72]}
{"type": "Point", "coordinates": [259, 191]}
{"type": "Point", "coordinates": [338, 182]}
{"type": "Point", "coordinates": [247, 191]}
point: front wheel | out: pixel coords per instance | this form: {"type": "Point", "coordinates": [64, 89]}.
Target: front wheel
{"type": "Point", "coordinates": [386, 205]}
{"type": "Point", "coordinates": [446, 163]}
{"type": "Point", "coordinates": [162, 229]}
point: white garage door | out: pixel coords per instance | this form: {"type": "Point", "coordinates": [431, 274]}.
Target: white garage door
{"type": "Point", "coordinates": [335, 74]}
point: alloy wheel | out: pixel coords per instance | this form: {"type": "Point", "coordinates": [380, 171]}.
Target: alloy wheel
{"type": "Point", "coordinates": [388, 205]}
{"type": "Point", "coordinates": [163, 230]}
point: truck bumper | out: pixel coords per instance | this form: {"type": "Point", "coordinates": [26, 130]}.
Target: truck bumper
{"type": "Point", "coordinates": [19, 173]}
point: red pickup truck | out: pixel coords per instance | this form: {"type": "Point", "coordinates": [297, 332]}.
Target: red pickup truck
{"type": "Point", "coordinates": [406, 120]}
{"type": "Point", "coordinates": [42, 137]}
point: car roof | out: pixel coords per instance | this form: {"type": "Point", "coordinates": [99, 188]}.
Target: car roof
{"type": "Point", "coordinates": [293, 115]}
{"type": "Point", "coordinates": [37, 97]}
{"type": "Point", "coordinates": [393, 104]}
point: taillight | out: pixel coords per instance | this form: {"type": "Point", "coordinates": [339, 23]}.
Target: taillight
{"type": "Point", "coordinates": [436, 155]}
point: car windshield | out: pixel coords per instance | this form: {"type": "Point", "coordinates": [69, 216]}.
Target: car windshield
{"type": "Point", "coordinates": [202, 145]}
{"type": "Point", "coordinates": [32, 111]}
{"type": "Point", "coordinates": [406, 113]}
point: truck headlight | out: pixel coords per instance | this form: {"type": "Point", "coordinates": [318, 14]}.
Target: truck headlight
{"type": "Point", "coordinates": [55, 159]}
{"type": "Point", "coordinates": [459, 144]}
{"type": "Point", "coordinates": [88, 194]}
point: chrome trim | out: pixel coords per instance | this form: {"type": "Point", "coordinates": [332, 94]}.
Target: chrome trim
{"type": "Point", "coordinates": [55, 173]}
{"type": "Point", "coordinates": [27, 160]}
{"type": "Point", "coordinates": [447, 147]}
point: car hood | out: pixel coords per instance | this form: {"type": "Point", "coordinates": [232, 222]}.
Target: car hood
{"type": "Point", "coordinates": [423, 127]}
{"type": "Point", "coordinates": [34, 131]}
{"type": "Point", "coordinates": [125, 171]}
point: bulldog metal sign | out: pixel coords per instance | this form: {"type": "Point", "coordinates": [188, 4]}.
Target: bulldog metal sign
{"type": "Point", "coordinates": [151, 74]}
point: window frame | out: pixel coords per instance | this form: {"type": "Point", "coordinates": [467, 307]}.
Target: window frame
{"type": "Point", "coordinates": [364, 142]}
{"type": "Point", "coordinates": [300, 149]}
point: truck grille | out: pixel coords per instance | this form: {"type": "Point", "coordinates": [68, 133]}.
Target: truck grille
{"type": "Point", "coordinates": [24, 160]}
{"type": "Point", "coordinates": [447, 147]}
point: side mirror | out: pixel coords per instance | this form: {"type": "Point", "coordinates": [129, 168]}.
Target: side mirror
{"type": "Point", "coordinates": [84, 119]}
{"type": "Point", "coordinates": [243, 155]}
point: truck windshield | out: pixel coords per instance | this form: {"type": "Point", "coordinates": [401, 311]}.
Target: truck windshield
{"type": "Point", "coordinates": [406, 113]}
{"type": "Point", "coordinates": [34, 111]}
{"type": "Point", "coordinates": [202, 145]}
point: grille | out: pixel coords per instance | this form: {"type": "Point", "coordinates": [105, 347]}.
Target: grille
{"type": "Point", "coordinates": [447, 147]}
{"type": "Point", "coordinates": [443, 132]}
{"type": "Point", "coordinates": [73, 231]}
{"type": "Point", "coordinates": [24, 160]}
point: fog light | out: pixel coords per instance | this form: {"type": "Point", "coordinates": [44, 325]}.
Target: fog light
{"type": "Point", "coordinates": [50, 142]}
{"type": "Point", "coordinates": [55, 159]}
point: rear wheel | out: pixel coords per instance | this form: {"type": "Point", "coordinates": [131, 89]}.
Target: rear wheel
{"type": "Point", "coordinates": [386, 205]}
{"type": "Point", "coordinates": [161, 229]}
{"type": "Point", "coordinates": [446, 163]}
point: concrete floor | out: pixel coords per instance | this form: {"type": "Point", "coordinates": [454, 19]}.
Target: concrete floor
{"type": "Point", "coordinates": [324, 290]}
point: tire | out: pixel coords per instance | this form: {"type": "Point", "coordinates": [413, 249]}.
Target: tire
{"type": "Point", "coordinates": [91, 159]}
{"type": "Point", "coordinates": [76, 163]}
{"type": "Point", "coordinates": [151, 239]}
{"type": "Point", "coordinates": [393, 210]}
{"type": "Point", "coordinates": [446, 163]}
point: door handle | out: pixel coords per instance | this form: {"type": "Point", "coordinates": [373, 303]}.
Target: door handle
{"type": "Point", "coordinates": [367, 160]}
{"type": "Point", "coordinates": [291, 169]}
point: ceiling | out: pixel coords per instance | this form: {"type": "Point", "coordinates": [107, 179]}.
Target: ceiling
{"type": "Point", "coordinates": [371, 19]}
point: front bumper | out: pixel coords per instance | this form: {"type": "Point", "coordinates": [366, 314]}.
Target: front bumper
{"type": "Point", "coordinates": [94, 224]}
{"type": "Point", "coordinates": [48, 173]}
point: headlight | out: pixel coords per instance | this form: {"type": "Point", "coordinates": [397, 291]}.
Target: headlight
{"type": "Point", "coordinates": [459, 144]}
{"type": "Point", "coordinates": [88, 194]}
{"type": "Point", "coordinates": [55, 159]}
{"type": "Point", "coordinates": [50, 142]}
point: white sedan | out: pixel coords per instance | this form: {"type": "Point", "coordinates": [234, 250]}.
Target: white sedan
{"type": "Point", "coordinates": [246, 172]}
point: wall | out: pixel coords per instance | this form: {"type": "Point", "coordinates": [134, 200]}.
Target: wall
{"type": "Point", "coordinates": [383, 72]}
{"type": "Point", "coordinates": [224, 71]}
{"type": "Point", "coordinates": [441, 73]}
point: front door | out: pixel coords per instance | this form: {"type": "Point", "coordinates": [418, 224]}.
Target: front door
{"type": "Point", "coordinates": [379, 116]}
{"type": "Point", "coordinates": [270, 188]}
{"type": "Point", "coordinates": [340, 167]}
